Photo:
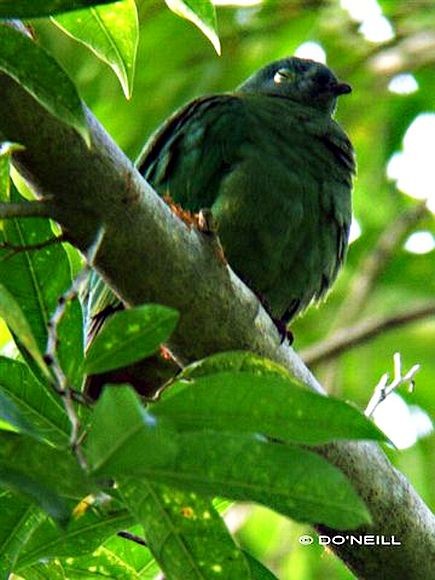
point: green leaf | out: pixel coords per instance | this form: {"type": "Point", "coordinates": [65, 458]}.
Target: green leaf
{"type": "Point", "coordinates": [14, 317]}
{"type": "Point", "coordinates": [18, 521]}
{"type": "Point", "coordinates": [103, 563]}
{"type": "Point", "coordinates": [234, 361]}
{"type": "Point", "coordinates": [6, 151]}
{"type": "Point", "coordinates": [39, 406]}
{"type": "Point", "coordinates": [129, 336]}
{"type": "Point", "coordinates": [120, 427]}
{"type": "Point", "coordinates": [125, 440]}
{"type": "Point", "coordinates": [203, 15]}
{"type": "Point", "coordinates": [41, 473]}
{"type": "Point", "coordinates": [10, 413]}
{"type": "Point", "coordinates": [258, 571]}
{"type": "Point", "coordinates": [38, 73]}
{"type": "Point", "coordinates": [297, 483]}
{"type": "Point", "coordinates": [184, 532]}
{"type": "Point", "coordinates": [111, 32]}
{"type": "Point", "coordinates": [83, 536]}
{"type": "Point", "coordinates": [36, 279]}
{"type": "Point", "coordinates": [258, 396]}
{"type": "Point", "coordinates": [123, 558]}
{"type": "Point", "coordinates": [37, 8]}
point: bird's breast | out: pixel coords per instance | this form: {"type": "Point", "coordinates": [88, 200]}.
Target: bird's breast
{"type": "Point", "coordinates": [284, 210]}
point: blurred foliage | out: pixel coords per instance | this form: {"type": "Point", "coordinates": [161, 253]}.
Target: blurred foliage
{"type": "Point", "coordinates": [175, 63]}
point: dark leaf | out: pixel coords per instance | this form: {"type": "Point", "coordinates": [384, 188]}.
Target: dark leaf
{"type": "Point", "coordinates": [37, 8]}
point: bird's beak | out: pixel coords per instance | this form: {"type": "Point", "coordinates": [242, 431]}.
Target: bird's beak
{"type": "Point", "coordinates": [341, 89]}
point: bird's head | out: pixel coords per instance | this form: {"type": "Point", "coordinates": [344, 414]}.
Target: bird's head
{"type": "Point", "coordinates": [305, 81]}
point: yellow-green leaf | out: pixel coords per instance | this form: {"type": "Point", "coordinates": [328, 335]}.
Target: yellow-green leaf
{"type": "Point", "coordinates": [111, 32]}
{"type": "Point", "coordinates": [11, 312]}
{"type": "Point", "coordinates": [203, 15]}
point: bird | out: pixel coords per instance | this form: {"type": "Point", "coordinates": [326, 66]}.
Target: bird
{"type": "Point", "coordinates": [275, 170]}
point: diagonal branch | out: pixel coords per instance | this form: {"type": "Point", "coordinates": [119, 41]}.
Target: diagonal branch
{"type": "Point", "coordinates": [346, 338]}
{"type": "Point", "coordinates": [364, 280]}
{"type": "Point", "coordinates": [148, 254]}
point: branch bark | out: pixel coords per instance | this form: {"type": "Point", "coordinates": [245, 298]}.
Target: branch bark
{"type": "Point", "coordinates": [148, 254]}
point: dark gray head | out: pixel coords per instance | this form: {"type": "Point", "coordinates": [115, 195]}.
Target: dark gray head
{"type": "Point", "coordinates": [305, 81]}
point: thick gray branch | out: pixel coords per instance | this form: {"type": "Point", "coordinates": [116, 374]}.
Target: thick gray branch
{"type": "Point", "coordinates": [150, 255]}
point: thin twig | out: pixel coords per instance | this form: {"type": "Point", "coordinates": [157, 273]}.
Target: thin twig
{"type": "Point", "coordinates": [51, 357]}
{"type": "Point", "coordinates": [347, 338]}
{"type": "Point", "coordinates": [383, 389]}
{"type": "Point", "coordinates": [132, 538]}
{"type": "Point", "coordinates": [17, 249]}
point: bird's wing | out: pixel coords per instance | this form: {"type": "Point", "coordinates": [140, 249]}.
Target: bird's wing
{"type": "Point", "coordinates": [178, 147]}
{"type": "Point", "coordinates": [199, 144]}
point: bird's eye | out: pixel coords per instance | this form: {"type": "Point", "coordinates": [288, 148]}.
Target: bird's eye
{"type": "Point", "coordinates": [284, 75]}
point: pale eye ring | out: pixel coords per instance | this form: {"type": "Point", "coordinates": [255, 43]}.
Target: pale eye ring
{"type": "Point", "coordinates": [284, 75]}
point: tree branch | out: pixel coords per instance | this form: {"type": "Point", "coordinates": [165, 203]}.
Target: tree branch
{"type": "Point", "coordinates": [145, 244]}
{"type": "Point", "coordinates": [148, 254]}
{"type": "Point", "coordinates": [347, 338]}
{"type": "Point", "coordinates": [364, 280]}
{"type": "Point", "coordinates": [375, 262]}
{"type": "Point", "coordinates": [40, 208]}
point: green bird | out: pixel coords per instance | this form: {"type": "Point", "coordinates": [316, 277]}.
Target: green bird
{"type": "Point", "coordinates": [276, 172]}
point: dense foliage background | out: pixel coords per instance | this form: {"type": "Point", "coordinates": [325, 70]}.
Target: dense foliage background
{"type": "Point", "coordinates": [385, 50]}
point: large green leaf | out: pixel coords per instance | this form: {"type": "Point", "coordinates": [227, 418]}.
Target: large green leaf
{"type": "Point", "coordinates": [36, 279]}
{"type": "Point", "coordinates": [124, 560]}
{"type": "Point", "coordinates": [125, 440]}
{"type": "Point", "coordinates": [11, 414]}
{"type": "Point", "coordinates": [253, 394]}
{"type": "Point", "coordinates": [39, 406]}
{"type": "Point", "coordinates": [111, 32]}
{"type": "Point", "coordinates": [41, 473]}
{"type": "Point", "coordinates": [257, 570]}
{"type": "Point", "coordinates": [295, 482]}
{"type": "Point", "coordinates": [83, 536]}
{"type": "Point", "coordinates": [184, 532]}
{"type": "Point", "coordinates": [39, 73]}
{"type": "Point", "coordinates": [129, 336]}
{"type": "Point", "coordinates": [15, 318]}
{"type": "Point", "coordinates": [18, 520]}
{"type": "Point", "coordinates": [119, 422]}
{"type": "Point", "coordinates": [203, 15]}
{"type": "Point", "coordinates": [35, 8]}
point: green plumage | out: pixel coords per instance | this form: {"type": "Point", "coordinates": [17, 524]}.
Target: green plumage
{"type": "Point", "coordinates": [276, 171]}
